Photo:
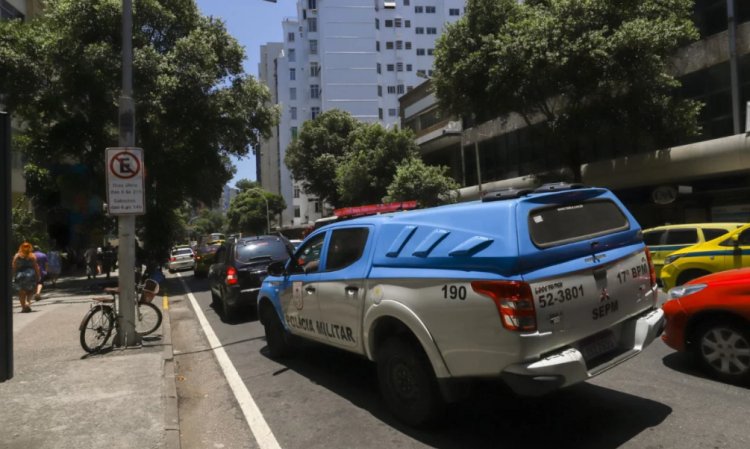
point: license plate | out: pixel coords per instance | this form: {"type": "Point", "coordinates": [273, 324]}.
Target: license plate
{"type": "Point", "coordinates": [597, 345]}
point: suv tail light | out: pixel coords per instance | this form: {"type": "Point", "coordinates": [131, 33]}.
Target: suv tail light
{"type": "Point", "coordinates": [651, 269]}
{"type": "Point", "coordinates": [231, 276]}
{"type": "Point", "coordinates": [172, 259]}
{"type": "Point", "coordinates": [514, 302]}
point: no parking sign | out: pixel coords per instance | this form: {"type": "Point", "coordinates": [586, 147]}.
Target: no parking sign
{"type": "Point", "coordinates": [125, 193]}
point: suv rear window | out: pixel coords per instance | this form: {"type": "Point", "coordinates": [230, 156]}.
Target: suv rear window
{"type": "Point", "coordinates": [652, 238]}
{"type": "Point", "coordinates": [182, 251]}
{"type": "Point", "coordinates": [682, 236]}
{"type": "Point", "coordinates": [260, 249]}
{"type": "Point", "coordinates": [558, 225]}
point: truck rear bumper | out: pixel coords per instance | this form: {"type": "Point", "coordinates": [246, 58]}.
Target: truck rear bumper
{"type": "Point", "coordinates": [568, 366]}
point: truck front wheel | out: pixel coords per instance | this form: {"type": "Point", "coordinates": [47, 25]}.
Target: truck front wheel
{"type": "Point", "coordinates": [408, 383]}
{"type": "Point", "coordinates": [277, 338]}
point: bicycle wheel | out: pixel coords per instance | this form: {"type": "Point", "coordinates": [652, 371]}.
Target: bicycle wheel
{"type": "Point", "coordinates": [96, 328]}
{"type": "Point", "coordinates": [147, 318]}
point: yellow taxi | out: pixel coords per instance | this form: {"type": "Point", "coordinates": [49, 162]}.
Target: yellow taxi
{"type": "Point", "coordinates": [664, 240]}
{"type": "Point", "coordinates": [723, 253]}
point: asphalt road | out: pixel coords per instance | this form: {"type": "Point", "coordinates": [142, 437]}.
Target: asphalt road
{"type": "Point", "coordinates": [323, 398]}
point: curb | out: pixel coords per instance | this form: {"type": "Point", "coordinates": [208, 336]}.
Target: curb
{"type": "Point", "coordinates": [169, 386]}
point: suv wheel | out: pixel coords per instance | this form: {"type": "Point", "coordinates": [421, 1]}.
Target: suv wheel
{"type": "Point", "coordinates": [408, 383]}
{"type": "Point", "coordinates": [723, 349]}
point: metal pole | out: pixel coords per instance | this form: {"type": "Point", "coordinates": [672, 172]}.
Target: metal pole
{"type": "Point", "coordinates": [733, 73]}
{"type": "Point", "coordinates": [126, 335]}
{"type": "Point", "coordinates": [479, 169]}
{"type": "Point", "coordinates": [6, 308]}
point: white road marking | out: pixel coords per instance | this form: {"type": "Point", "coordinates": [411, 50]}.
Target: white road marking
{"type": "Point", "coordinates": [263, 434]}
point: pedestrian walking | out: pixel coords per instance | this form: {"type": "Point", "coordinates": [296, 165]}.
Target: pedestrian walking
{"type": "Point", "coordinates": [41, 261]}
{"type": "Point", "coordinates": [26, 275]}
{"type": "Point", "coordinates": [54, 266]}
{"type": "Point", "coordinates": [90, 258]}
{"type": "Point", "coordinates": [108, 259]}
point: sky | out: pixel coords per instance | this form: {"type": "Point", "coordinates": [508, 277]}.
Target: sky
{"type": "Point", "coordinates": [253, 23]}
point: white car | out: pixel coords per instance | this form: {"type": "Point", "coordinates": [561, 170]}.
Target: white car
{"type": "Point", "coordinates": [181, 258]}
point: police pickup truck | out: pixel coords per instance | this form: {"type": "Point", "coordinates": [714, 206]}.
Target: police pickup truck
{"type": "Point", "coordinates": [541, 289]}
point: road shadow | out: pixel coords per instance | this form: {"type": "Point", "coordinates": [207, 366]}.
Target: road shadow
{"type": "Point", "coordinates": [581, 417]}
{"type": "Point", "coordinates": [684, 363]}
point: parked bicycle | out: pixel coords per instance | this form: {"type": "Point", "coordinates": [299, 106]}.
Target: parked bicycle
{"type": "Point", "coordinates": [101, 319]}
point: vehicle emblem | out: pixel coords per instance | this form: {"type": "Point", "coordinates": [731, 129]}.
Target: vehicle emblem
{"type": "Point", "coordinates": [604, 295]}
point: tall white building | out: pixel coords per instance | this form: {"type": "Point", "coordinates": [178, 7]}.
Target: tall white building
{"type": "Point", "coordinates": [359, 56]}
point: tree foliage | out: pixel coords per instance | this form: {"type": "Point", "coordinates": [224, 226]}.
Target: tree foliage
{"type": "Point", "coordinates": [247, 212]}
{"type": "Point", "coordinates": [313, 157]}
{"type": "Point", "coordinates": [349, 163]}
{"type": "Point", "coordinates": [429, 185]}
{"type": "Point", "coordinates": [195, 107]}
{"type": "Point", "coordinates": [583, 68]}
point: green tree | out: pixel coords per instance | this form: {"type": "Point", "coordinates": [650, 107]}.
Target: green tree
{"type": "Point", "coordinates": [366, 170]}
{"type": "Point", "coordinates": [577, 69]}
{"type": "Point", "coordinates": [247, 212]}
{"type": "Point", "coordinates": [25, 228]}
{"type": "Point", "coordinates": [313, 157]}
{"type": "Point", "coordinates": [208, 221]}
{"type": "Point", "coordinates": [195, 107]}
{"type": "Point", "coordinates": [429, 185]}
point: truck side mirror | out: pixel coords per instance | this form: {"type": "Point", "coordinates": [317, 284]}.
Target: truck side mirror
{"type": "Point", "coordinates": [276, 268]}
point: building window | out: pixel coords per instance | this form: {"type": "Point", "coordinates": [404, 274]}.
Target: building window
{"type": "Point", "coordinates": [418, 9]}
{"type": "Point", "coordinates": [430, 51]}
{"type": "Point", "coordinates": [290, 37]}
{"type": "Point", "coordinates": [408, 67]}
{"type": "Point", "coordinates": [408, 45]}
{"type": "Point", "coordinates": [431, 30]}
{"type": "Point", "coordinates": [377, 23]}
{"type": "Point", "coordinates": [392, 112]}
{"type": "Point", "coordinates": [388, 23]}
{"type": "Point", "coordinates": [314, 69]}
{"type": "Point", "coordinates": [399, 45]}
{"type": "Point", "coordinates": [454, 12]}
{"type": "Point", "coordinates": [314, 112]}
{"type": "Point", "coordinates": [380, 91]}
{"type": "Point", "coordinates": [312, 24]}
{"type": "Point", "coordinates": [397, 23]}
{"type": "Point", "coordinates": [294, 132]}
{"type": "Point", "coordinates": [292, 55]}
{"type": "Point", "coordinates": [377, 45]}
{"type": "Point", "coordinates": [377, 67]}
{"type": "Point", "coordinates": [317, 206]}
{"type": "Point", "coordinates": [419, 30]}
{"type": "Point", "coordinates": [314, 46]}
{"type": "Point", "coordinates": [391, 89]}
{"type": "Point", "coordinates": [389, 45]}
{"type": "Point", "coordinates": [429, 73]}
{"type": "Point", "coordinates": [389, 67]}
{"type": "Point", "coordinates": [380, 113]}
{"type": "Point", "coordinates": [420, 52]}
{"type": "Point", "coordinates": [429, 9]}
{"type": "Point", "coordinates": [296, 211]}
{"type": "Point", "coordinates": [296, 191]}
{"type": "Point", "coordinates": [407, 23]}
{"type": "Point", "coordinates": [293, 112]}
{"type": "Point", "coordinates": [292, 93]}
{"type": "Point", "coordinates": [400, 89]}
{"type": "Point", "coordinates": [314, 91]}
{"type": "Point", "coordinates": [406, 2]}
{"type": "Point", "coordinates": [421, 74]}
{"type": "Point", "coordinates": [399, 66]}
{"type": "Point", "coordinates": [292, 74]}
{"type": "Point", "coordinates": [312, 4]}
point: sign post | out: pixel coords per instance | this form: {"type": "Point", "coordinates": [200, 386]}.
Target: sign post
{"type": "Point", "coordinates": [6, 306]}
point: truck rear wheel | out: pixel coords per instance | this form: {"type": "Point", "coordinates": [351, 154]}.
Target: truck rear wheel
{"type": "Point", "coordinates": [408, 383]}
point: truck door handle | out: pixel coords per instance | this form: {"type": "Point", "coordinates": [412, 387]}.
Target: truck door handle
{"type": "Point", "coordinates": [351, 291]}
{"type": "Point", "coordinates": [309, 290]}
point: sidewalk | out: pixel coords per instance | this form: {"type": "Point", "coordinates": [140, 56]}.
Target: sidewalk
{"type": "Point", "coordinates": [60, 397]}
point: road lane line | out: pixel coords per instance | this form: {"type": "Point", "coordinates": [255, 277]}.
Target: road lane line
{"type": "Point", "coordinates": [258, 426]}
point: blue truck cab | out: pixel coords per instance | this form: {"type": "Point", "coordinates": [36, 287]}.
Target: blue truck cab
{"type": "Point", "coordinates": [539, 289]}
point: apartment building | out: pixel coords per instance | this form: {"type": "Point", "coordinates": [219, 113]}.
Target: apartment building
{"type": "Point", "coordinates": [359, 56]}
{"type": "Point", "coordinates": [700, 179]}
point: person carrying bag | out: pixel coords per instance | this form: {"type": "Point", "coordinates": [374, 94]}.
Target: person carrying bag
{"type": "Point", "coordinates": [26, 275]}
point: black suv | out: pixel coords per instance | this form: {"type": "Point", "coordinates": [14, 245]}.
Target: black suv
{"type": "Point", "coordinates": [238, 270]}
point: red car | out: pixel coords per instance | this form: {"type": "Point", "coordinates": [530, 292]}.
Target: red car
{"type": "Point", "coordinates": [710, 318]}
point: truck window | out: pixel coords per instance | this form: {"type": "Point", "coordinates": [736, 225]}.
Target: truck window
{"type": "Point", "coordinates": [346, 247]}
{"type": "Point", "coordinates": [307, 258]}
{"type": "Point", "coordinates": [558, 225]}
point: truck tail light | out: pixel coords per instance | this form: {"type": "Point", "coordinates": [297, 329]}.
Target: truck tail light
{"type": "Point", "coordinates": [231, 276]}
{"type": "Point", "coordinates": [172, 259]}
{"type": "Point", "coordinates": [514, 302]}
{"type": "Point", "coordinates": [651, 269]}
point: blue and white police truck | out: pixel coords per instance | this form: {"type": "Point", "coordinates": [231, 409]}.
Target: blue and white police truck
{"type": "Point", "coordinates": [540, 289]}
